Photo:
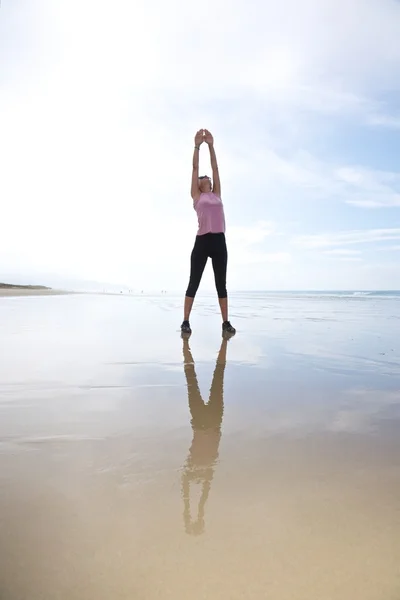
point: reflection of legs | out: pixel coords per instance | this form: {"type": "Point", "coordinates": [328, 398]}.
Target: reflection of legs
{"type": "Point", "coordinates": [216, 401]}
{"type": "Point", "coordinates": [198, 408]}
{"type": "Point", "coordinates": [198, 261]}
{"type": "Point", "coordinates": [196, 402]}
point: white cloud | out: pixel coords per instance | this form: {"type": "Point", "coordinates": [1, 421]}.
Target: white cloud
{"type": "Point", "coordinates": [341, 252]}
{"type": "Point", "coordinates": [246, 245]}
{"type": "Point", "coordinates": [246, 236]}
{"type": "Point", "coordinates": [368, 188]}
{"type": "Point", "coordinates": [354, 411]}
{"type": "Point", "coordinates": [363, 410]}
{"type": "Point", "coordinates": [344, 255]}
{"type": "Point", "coordinates": [351, 259]}
{"type": "Point", "coordinates": [382, 120]}
{"type": "Point", "coordinates": [361, 236]}
{"type": "Point", "coordinates": [259, 258]}
{"type": "Point", "coordinates": [394, 248]}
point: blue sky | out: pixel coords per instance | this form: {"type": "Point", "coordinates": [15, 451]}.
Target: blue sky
{"type": "Point", "coordinates": [99, 104]}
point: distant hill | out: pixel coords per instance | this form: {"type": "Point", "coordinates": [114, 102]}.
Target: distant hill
{"type": "Point", "coordinates": [12, 286]}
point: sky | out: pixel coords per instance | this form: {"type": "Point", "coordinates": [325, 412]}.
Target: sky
{"type": "Point", "coordinates": [99, 104]}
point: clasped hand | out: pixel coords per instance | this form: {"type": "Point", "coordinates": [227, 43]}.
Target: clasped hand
{"type": "Point", "coordinates": [203, 135]}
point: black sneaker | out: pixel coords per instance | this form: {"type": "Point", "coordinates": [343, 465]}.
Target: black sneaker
{"type": "Point", "coordinates": [185, 328]}
{"type": "Point", "coordinates": [227, 328]}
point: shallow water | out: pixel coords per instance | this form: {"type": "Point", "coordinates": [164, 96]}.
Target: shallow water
{"type": "Point", "coordinates": [116, 480]}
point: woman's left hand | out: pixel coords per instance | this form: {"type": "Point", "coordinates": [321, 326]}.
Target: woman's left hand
{"type": "Point", "coordinates": [208, 138]}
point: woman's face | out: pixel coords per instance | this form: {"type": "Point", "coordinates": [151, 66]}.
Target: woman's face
{"type": "Point", "coordinates": [205, 184]}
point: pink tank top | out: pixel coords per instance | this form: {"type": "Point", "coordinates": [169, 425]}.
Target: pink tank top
{"type": "Point", "coordinates": [210, 214]}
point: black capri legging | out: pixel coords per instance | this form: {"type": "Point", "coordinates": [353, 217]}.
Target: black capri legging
{"type": "Point", "coordinates": [211, 245]}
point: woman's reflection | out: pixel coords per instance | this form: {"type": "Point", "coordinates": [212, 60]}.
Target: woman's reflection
{"type": "Point", "coordinates": [206, 424]}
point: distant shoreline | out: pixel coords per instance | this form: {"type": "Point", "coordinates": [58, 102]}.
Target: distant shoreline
{"type": "Point", "coordinates": [12, 286]}
{"type": "Point", "coordinates": [11, 289]}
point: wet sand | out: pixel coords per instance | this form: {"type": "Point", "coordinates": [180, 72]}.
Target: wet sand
{"type": "Point", "coordinates": [117, 480]}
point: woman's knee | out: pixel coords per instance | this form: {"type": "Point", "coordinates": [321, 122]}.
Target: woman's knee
{"type": "Point", "coordinates": [192, 289]}
{"type": "Point", "coordinates": [221, 290]}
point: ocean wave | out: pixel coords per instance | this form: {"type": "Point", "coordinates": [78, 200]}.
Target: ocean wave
{"type": "Point", "coordinates": [324, 295]}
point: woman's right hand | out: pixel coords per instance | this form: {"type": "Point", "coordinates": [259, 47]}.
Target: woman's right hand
{"type": "Point", "coordinates": [199, 138]}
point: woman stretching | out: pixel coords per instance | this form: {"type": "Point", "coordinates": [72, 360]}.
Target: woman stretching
{"type": "Point", "coordinates": [210, 239]}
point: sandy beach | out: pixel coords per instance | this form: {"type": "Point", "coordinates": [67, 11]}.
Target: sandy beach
{"type": "Point", "coordinates": [26, 291]}
{"type": "Point", "coordinates": [117, 480]}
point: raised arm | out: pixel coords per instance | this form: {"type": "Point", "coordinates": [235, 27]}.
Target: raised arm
{"type": "Point", "coordinates": [198, 140]}
{"type": "Point", "coordinates": [214, 165]}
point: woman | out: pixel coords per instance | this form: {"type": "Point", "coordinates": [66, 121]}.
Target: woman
{"type": "Point", "coordinates": [210, 239]}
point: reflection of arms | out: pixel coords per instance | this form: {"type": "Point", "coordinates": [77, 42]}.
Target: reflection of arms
{"type": "Point", "coordinates": [191, 526]}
